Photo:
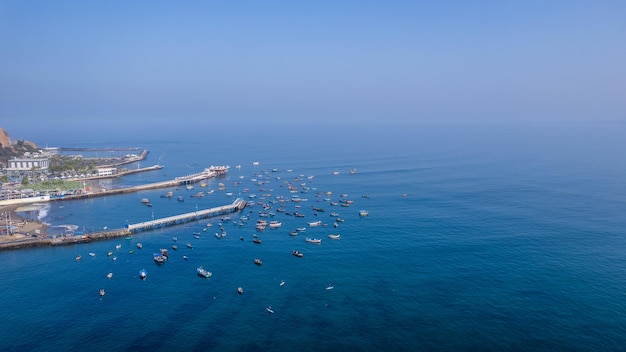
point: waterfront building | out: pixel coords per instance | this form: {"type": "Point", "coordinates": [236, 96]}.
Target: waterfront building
{"type": "Point", "coordinates": [28, 163]}
{"type": "Point", "coordinates": [106, 171]}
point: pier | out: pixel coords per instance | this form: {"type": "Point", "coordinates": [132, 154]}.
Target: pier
{"type": "Point", "coordinates": [237, 205]}
{"type": "Point", "coordinates": [31, 242]}
{"type": "Point", "coordinates": [210, 172]}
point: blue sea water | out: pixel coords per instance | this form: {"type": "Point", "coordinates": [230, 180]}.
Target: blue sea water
{"type": "Point", "coordinates": [479, 237]}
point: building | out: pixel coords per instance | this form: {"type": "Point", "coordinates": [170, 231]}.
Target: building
{"type": "Point", "coordinates": [25, 164]}
{"type": "Point", "coordinates": [107, 171]}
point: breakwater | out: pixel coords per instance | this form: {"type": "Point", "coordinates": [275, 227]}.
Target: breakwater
{"type": "Point", "coordinates": [210, 172]}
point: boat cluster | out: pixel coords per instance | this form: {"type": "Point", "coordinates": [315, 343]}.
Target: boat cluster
{"type": "Point", "coordinates": [268, 217]}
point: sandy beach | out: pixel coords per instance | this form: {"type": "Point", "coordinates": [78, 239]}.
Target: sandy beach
{"type": "Point", "coordinates": [22, 227]}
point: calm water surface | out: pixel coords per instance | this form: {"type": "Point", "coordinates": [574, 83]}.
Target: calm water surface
{"type": "Point", "coordinates": [478, 238]}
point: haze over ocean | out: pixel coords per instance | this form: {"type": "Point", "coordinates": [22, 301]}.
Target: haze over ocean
{"type": "Point", "coordinates": [488, 137]}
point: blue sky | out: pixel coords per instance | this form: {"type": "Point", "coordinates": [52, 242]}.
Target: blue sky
{"type": "Point", "coordinates": [326, 61]}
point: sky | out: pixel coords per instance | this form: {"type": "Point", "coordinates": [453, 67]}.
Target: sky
{"type": "Point", "coordinates": [130, 62]}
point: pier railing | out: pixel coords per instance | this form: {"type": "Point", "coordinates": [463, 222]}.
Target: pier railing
{"type": "Point", "coordinates": [237, 205]}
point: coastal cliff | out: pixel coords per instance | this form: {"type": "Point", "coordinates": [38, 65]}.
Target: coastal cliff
{"type": "Point", "coordinates": [9, 149]}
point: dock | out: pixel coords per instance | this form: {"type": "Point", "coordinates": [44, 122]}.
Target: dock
{"type": "Point", "coordinates": [28, 242]}
{"type": "Point", "coordinates": [210, 172]}
{"type": "Point", "coordinates": [237, 204]}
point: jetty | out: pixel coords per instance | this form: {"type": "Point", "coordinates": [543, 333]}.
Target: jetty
{"type": "Point", "coordinates": [237, 204]}
{"type": "Point", "coordinates": [31, 242]}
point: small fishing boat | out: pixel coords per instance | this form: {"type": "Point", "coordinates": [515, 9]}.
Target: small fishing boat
{"type": "Point", "coordinates": [131, 251]}
{"type": "Point", "coordinates": [334, 236]}
{"type": "Point", "coordinates": [330, 287]}
{"type": "Point", "coordinates": [256, 240]}
{"type": "Point", "coordinates": [189, 245]}
{"type": "Point", "coordinates": [282, 282]}
{"type": "Point", "coordinates": [315, 223]}
{"type": "Point", "coordinates": [143, 273]}
{"type": "Point", "coordinates": [101, 292]}
{"type": "Point", "coordinates": [185, 257]}
{"type": "Point", "coordinates": [363, 213]}
{"type": "Point", "coordinates": [92, 254]}
{"type": "Point", "coordinates": [269, 310]}
{"type": "Point", "coordinates": [175, 247]}
{"type": "Point", "coordinates": [158, 258]}
{"type": "Point", "coordinates": [258, 261]}
{"type": "Point", "coordinates": [78, 257]}
{"type": "Point", "coordinates": [313, 240]}
{"type": "Point", "coordinates": [204, 273]}
{"type": "Point", "coordinates": [297, 253]}
{"type": "Point", "coordinates": [139, 245]}
{"type": "Point", "coordinates": [240, 290]}
{"type": "Point", "coordinates": [109, 275]}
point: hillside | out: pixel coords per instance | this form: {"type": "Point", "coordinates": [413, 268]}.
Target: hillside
{"type": "Point", "coordinates": [9, 150]}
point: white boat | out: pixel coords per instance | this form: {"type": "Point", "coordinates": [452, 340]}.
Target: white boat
{"type": "Point", "coordinates": [334, 236]}
{"type": "Point", "coordinates": [297, 253]}
{"type": "Point", "coordinates": [101, 292]}
{"type": "Point", "coordinates": [363, 213]}
{"type": "Point", "coordinates": [240, 290]}
{"type": "Point", "coordinates": [139, 245]}
{"type": "Point", "coordinates": [313, 240]}
{"type": "Point", "coordinates": [315, 223]}
{"type": "Point", "coordinates": [330, 287]}
{"type": "Point", "coordinates": [158, 258]}
{"type": "Point", "coordinates": [282, 282]}
{"type": "Point", "coordinates": [92, 254]}
{"type": "Point", "coordinates": [269, 310]}
{"type": "Point", "coordinates": [275, 224]}
{"type": "Point", "coordinates": [204, 273]}
{"type": "Point", "coordinates": [143, 273]}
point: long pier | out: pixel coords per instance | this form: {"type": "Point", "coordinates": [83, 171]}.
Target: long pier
{"type": "Point", "coordinates": [237, 205]}
{"type": "Point", "coordinates": [28, 242]}
{"type": "Point", "coordinates": [213, 171]}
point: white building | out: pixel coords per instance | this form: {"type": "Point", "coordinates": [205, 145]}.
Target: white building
{"type": "Point", "coordinates": [107, 171]}
{"type": "Point", "coordinates": [24, 164]}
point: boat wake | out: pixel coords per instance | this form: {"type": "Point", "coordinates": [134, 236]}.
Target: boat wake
{"type": "Point", "coordinates": [63, 229]}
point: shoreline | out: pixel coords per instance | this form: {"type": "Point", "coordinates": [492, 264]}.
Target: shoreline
{"type": "Point", "coordinates": [24, 229]}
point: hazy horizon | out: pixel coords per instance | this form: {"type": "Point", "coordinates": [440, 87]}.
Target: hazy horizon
{"type": "Point", "coordinates": [130, 63]}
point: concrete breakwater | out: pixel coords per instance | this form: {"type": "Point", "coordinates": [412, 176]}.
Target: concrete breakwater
{"type": "Point", "coordinates": [213, 171]}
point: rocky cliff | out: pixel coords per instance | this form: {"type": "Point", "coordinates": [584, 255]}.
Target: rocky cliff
{"type": "Point", "coordinates": [5, 140]}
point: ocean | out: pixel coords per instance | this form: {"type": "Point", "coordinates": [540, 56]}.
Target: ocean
{"type": "Point", "coordinates": [479, 237]}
